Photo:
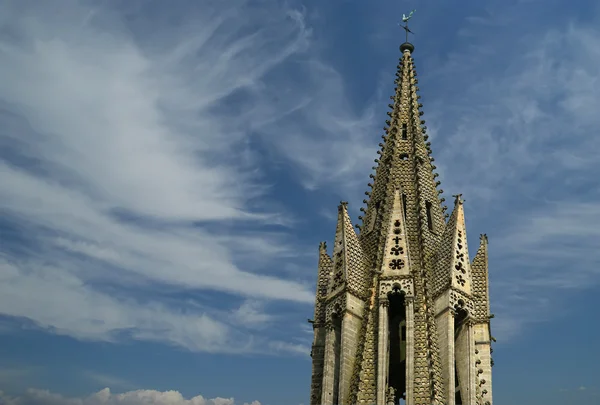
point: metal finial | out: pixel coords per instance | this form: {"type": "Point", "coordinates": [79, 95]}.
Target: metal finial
{"type": "Point", "coordinates": [405, 19]}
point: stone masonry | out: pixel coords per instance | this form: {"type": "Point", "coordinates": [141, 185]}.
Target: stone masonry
{"type": "Point", "coordinates": [400, 310]}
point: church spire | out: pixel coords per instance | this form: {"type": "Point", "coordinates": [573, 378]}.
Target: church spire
{"type": "Point", "coordinates": [404, 317]}
{"type": "Point", "coordinates": [406, 164]}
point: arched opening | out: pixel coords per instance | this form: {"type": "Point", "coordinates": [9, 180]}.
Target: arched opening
{"type": "Point", "coordinates": [459, 319]}
{"type": "Point", "coordinates": [337, 330]}
{"type": "Point", "coordinates": [397, 344]}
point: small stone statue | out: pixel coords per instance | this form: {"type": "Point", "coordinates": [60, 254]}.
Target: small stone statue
{"type": "Point", "coordinates": [391, 396]}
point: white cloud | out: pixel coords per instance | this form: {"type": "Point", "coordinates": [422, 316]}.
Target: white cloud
{"type": "Point", "coordinates": [124, 156]}
{"type": "Point", "coordinates": [251, 313]}
{"type": "Point", "coordinates": [331, 140]}
{"type": "Point", "coordinates": [106, 397]}
{"type": "Point", "coordinates": [526, 124]}
{"type": "Point", "coordinates": [106, 380]}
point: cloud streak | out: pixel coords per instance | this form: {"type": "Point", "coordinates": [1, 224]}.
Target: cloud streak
{"type": "Point", "coordinates": [120, 157]}
{"type": "Point", "coordinates": [529, 129]}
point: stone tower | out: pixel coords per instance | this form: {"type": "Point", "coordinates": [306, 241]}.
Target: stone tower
{"type": "Point", "coordinates": [400, 311]}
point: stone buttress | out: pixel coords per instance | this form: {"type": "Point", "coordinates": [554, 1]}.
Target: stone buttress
{"type": "Point", "coordinates": [400, 311]}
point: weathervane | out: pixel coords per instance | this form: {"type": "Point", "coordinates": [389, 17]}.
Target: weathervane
{"type": "Point", "coordinates": [405, 19]}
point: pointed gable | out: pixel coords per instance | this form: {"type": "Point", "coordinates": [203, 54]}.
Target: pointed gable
{"type": "Point", "coordinates": [453, 268]}
{"type": "Point", "coordinates": [480, 288]}
{"type": "Point", "coordinates": [395, 254]}
{"type": "Point", "coordinates": [349, 264]}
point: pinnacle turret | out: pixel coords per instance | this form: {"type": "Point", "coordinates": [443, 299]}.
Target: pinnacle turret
{"type": "Point", "coordinates": [480, 288]}
{"type": "Point", "coordinates": [453, 268]}
{"type": "Point", "coordinates": [324, 275]}
{"type": "Point", "coordinates": [349, 265]}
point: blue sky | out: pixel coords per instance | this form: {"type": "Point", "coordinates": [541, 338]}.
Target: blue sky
{"type": "Point", "coordinates": [168, 169]}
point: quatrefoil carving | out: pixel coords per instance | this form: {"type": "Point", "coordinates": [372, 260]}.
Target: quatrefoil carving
{"type": "Point", "coordinates": [397, 251]}
{"type": "Point", "coordinates": [396, 264]}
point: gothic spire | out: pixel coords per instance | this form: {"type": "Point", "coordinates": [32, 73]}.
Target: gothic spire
{"type": "Point", "coordinates": [405, 163]}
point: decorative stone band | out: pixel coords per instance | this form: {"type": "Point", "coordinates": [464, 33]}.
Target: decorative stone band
{"type": "Point", "coordinates": [460, 300]}
{"type": "Point", "coordinates": [404, 285]}
{"type": "Point", "coordinates": [337, 305]}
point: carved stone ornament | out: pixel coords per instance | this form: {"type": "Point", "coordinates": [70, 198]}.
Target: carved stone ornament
{"type": "Point", "coordinates": [461, 301]}
{"type": "Point", "coordinates": [336, 306]}
{"type": "Point", "coordinates": [390, 397]}
{"type": "Point", "coordinates": [404, 285]}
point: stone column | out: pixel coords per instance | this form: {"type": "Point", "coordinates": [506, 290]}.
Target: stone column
{"type": "Point", "coordinates": [382, 351]}
{"type": "Point", "coordinates": [329, 366]}
{"type": "Point", "coordinates": [410, 349]}
{"type": "Point", "coordinates": [472, 366]}
{"type": "Point", "coordinates": [446, 332]}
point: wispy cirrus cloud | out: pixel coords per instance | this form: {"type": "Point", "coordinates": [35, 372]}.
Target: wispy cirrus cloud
{"type": "Point", "coordinates": [529, 130]}
{"type": "Point", "coordinates": [126, 161]}
{"type": "Point", "coordinates": [329, 139]}
{"type": "Point", "coordinates": [127, 155]}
